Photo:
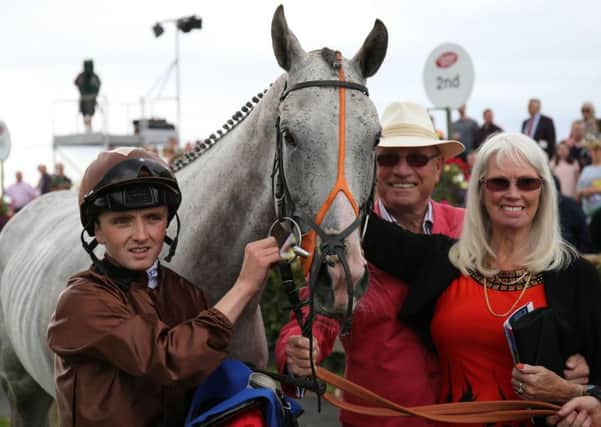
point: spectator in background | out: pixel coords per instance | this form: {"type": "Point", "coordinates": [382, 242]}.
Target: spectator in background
{"type": "Point", "coordinates": [20, 192]}
{"type": "Point", "coordinates": [574, 228]}
{"type": "Point", "coordinates": [88, 84]}
{"type": "Point", "coordinates": [566, 169]}
{"type": "Point", "coordinates": [466, 127]}
{"type": "Point", "coordinates": [45, 180]}
{"type": "Point", "coordinates": [591, 123]}
{"type": "Point", "coordinates": [589, 192]}
{"type": "Point", "coordinates": [540, 128]}
{"type": "Point", "coordinates": [60, 181]}
{"type": "Point", "coordinates": [487, 128]}
{"type": "Point", "coordinates": [576, 142]}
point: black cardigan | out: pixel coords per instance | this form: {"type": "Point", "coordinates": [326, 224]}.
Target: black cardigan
{"type": "Point", "coordinates": [422, 261]}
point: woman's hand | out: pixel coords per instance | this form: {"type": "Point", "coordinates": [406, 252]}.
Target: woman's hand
{"type": "Point", "coordinates": [539, 383]}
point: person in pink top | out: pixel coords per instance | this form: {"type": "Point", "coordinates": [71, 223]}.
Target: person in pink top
{"type": "Point", "coordinates": [20, 192]}
{"type": "Point", "coordinates": [382, 353]}
{"type": "Point", "coordinates": [566, 169]}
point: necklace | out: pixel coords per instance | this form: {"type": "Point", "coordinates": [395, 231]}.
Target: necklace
{"type": "Point", "coordinates": [512, 306]}
{"type": "Point", "coordinates": [510, 282]}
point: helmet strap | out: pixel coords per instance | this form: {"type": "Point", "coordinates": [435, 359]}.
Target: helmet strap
{"type": "Point", "coordinates": [89, 247]}
{"type": "Point", "coordinates": [172, 242]}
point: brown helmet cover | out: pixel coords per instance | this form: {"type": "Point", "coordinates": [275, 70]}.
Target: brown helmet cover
{"type": "Point", "coordinates": [112, 170]}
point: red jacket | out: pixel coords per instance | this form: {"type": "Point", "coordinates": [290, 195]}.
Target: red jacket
{"type": "Point", "coordinates": [381, 353]}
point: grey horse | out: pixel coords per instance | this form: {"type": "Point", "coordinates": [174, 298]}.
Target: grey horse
{"type": "Point", "coordinates": [227, 201]}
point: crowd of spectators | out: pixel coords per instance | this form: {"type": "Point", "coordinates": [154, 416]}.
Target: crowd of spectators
{"type": "Point", "coordinates": [575, 161]}
{"type": "Point", "coordinates": [18, 194]}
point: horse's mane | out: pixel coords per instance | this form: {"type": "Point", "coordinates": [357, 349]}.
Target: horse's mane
{"type": "Point", "coordinates": [201, 147]}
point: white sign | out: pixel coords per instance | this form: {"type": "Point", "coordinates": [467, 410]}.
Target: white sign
{"type": "Point", "coordinates": [4, 141]}
{"type": "Point", "coordinates": [448, 76]}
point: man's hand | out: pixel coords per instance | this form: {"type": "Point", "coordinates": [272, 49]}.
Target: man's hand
{"type": "Point", "coordinates": [576, 370]}
{"type": "Point", "coordinates": [297, 355]}
{"type": "Point", "coordinates": [582, 411]}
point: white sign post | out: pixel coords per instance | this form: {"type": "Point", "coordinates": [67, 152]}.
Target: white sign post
{"type": "Point", "coordinates": [4, 152]}
{"type": "Point", "coordinates": [448, 78]}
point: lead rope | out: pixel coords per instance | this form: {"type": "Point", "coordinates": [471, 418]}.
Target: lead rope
{"type": "Point", "coordinates": [458, 412]}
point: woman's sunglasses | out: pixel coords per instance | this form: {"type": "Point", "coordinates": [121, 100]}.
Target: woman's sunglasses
{"type": "Point", "coordinates": [523, 183]}
{"type": "Point", "coordinates": [415, 160]}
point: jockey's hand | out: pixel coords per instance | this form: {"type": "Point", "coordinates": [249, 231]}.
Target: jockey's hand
{"type": "Point", "coordinates": [576, 369]}
{"type": "Point", "coordinates": [259, 256]}
{"type": "Point", "coordinates": [297, 355]}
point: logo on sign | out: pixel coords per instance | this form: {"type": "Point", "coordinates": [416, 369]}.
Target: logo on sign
{"type": "Point", "coordinates": [446, 59]}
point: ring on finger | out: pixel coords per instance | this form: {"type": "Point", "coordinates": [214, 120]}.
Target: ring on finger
{"type": "Point", "coordinates": [520, 389]}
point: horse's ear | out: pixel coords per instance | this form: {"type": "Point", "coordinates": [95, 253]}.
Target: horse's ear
{"type": "Point", "coordinates": [285, 44]}
{"type": "Point", "coordinates": [372, 53]}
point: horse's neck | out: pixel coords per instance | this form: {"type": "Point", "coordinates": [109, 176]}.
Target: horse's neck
{"type": "Point", "coordinates": [227, 199]}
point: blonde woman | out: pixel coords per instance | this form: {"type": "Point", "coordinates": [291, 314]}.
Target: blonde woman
{"type": "Point", "coordinates": [510, 253]}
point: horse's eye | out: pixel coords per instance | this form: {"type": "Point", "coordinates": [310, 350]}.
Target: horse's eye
{"type": "Point", "coordinates": [289, 138]}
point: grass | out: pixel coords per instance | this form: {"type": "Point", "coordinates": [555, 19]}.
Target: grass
{"type": "Point", "coordinates": [4, 422]}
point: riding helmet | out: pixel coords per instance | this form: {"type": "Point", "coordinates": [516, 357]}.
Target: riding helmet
{"type": "Point", "coordinates": [126, 178]}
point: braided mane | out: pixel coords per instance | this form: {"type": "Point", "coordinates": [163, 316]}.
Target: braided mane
{"type": "Point", "coordinates": [201, 147]}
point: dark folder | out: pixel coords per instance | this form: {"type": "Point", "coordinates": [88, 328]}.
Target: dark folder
{"type": "Point", "coordinates": [537, 340]}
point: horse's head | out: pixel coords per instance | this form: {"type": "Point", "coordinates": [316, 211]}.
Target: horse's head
{"type": "Point", "coordinates": [328, 129]}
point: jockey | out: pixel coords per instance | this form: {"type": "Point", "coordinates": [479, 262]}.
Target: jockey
{"type": "Point", "coordinates": [132, 338]}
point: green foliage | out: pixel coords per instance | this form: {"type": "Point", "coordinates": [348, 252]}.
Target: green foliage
{"type": "Point", "coordinates": [273, 303]}
{"type": "Point", "coordinates": [4, 422]}
{"type": "Point", "coordinates": [452, 185]}
{"type": "Point", "coordinates": [4, 211]}
{"type": "Point", "coordinates": [275, 312]}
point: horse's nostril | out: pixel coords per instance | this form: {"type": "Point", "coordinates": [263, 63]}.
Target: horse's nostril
{"type": "Point", "coordinates": [332, 260]}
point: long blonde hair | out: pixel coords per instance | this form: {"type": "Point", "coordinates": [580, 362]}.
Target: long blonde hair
{"type": "Point", "coordinates": [548, 251]}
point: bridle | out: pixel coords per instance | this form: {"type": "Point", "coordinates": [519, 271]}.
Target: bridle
{"type": "Point", "coordinates": [285, 206]}
{"type": "Point", "coordinates": [287, 211]}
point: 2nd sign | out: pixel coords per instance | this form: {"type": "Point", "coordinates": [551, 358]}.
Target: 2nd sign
{"type": "Point", "coordinates": [448, 76]}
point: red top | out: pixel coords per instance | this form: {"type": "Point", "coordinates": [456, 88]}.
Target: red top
{"type": "Point", "coordinates": [475, 361]}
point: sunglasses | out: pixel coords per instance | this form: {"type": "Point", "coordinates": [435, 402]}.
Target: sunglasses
{"type": "Point", "coordinates": [586, 110]}
{"type": "Point", "coordinates": [415, 160]}
{"type": "Point", "coordinates": [524, 183]}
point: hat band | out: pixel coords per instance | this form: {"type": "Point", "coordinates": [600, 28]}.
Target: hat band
{"type": "Point", "coordinates": [408, 130]}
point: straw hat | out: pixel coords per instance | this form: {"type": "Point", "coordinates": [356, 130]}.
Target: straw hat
{"type": "Point", "coordinates": [405, 124]}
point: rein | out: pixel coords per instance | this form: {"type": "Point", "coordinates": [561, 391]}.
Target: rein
{"type": "Point", "coordinates": [459, 412]}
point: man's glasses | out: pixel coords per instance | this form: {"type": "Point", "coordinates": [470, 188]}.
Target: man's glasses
{"type": "Point", "coordinates": [585, 110]}
{"type": "Point", "coordinates": [524, 183]}
{"type": "Point", "coordinates": [415, 160]}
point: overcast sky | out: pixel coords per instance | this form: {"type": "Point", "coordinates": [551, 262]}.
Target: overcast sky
{"type": "Point", "coordinates": [520, 49]}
